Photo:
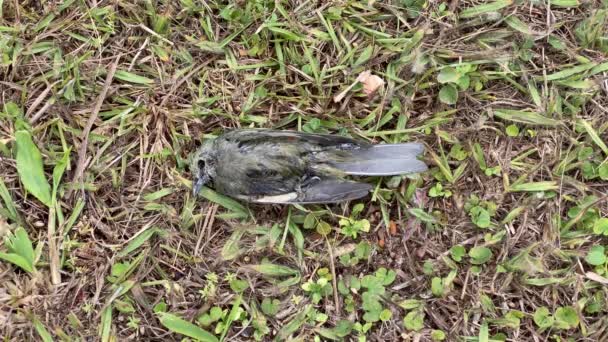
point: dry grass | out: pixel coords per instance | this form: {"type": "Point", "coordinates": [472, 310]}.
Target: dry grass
{"type": "Point", "coordinates": [128, 89]}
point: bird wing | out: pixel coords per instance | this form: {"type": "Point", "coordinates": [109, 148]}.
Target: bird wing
{"type": "Point", "coordinates": [256, 136]}
{"type": "Point", "coordinates": [324, 191]}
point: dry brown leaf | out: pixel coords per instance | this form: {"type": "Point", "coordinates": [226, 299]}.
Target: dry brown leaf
{"type": "Point", "coordinates": [393, 227]}
{"type": "Point", "coordinates": [345, 249]}
{"type": "Point", "coordinates": [370, 82]}
{"type": "Point", "coordinates": [596, 277]}
{"type": "Point", "coordinates": [4, 228]}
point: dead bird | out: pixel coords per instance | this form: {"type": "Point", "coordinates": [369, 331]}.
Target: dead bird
{"type": "Point", "coordinates": [274, 166]}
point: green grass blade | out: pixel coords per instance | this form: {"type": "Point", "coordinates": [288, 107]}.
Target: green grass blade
{"type": "Point", "coordinates": [182, 327]}
{"type": "Point", "coordinates": [138, 241]}
{"type": "Point", "coordinates": [422, 215]}
{"type": "Point", "coordinates": [41, 330]}
{"type": "Point", "coordinates": [8, 201]}
{"type": "Point", "coordinates": [273, 270]}
{"type": "Point", "coordinates": [565, 3]}
{"type": "Point", "coordinates": [518, 25]}
{"type": "Point", "coordinates": [525, 117]}
{"type": "Point", "coordinates": [534, 186]}
{"type": "Point", "coordinates": [594, 136]}
{"type": "Point", "coordinates": [224, 201]}
{"type": "Point", "coordinates": [484, 8]}
{"type": "Point", "coordinates": [131, 77]}
{"type": "Point", "coordinates": [73, 216]}
{"type": "Point", "coordinates": [579, 69]}
{"type": "Point", "coordinates": [293, 325]}
{"type": "Point", "coordinates": [105, 328]}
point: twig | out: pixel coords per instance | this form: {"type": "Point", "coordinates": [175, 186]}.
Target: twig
{"type": "Point", "coordinates": [207, 224]}
{"type": "Point", "coordinates": [40, 98]}
{"type": "Point", "coordinates": [334, 282]}
{"type": "Point", "coordinates": [82, 151]}
{"type": "Point", "coordinates": [150, 31]}
{"type": "Point", "coordinates": [53, 250]}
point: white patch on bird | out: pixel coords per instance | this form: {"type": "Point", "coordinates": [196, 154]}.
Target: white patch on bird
{"type": "Point", "coordinates": [288, 197]}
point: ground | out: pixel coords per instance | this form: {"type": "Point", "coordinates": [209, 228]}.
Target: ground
{"type": "Point", "coordinates": [502, 239]}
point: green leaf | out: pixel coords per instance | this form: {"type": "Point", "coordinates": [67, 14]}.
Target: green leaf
{"type": "Point", "coordinates": [386, 315]}
{"type": "Point", "coordinates": [414, 320]}
{"type": "Point", "coordinates": [323, 228]}
{"type": "Point", "coordinates": [17, 260]}
{"type": "Point", "coordinates": [458, 153]}
{"type": "Point", "coordinates": [596, 256]}
{"type": "Point", "coordinates": [437, 287]}
{"type": "Point", "coordinates": [480, 216]}
{"type": "Point", "coordinates": [542, 318]}
{"type": "Point", "coordinates": [603, 171]}
{"type": "Point", "coordinates": [131, 77]}
{"type": "Point", "coordinates": [512, 130]}
{"type": "Point", "coordinates": [457, 252]}
{"type": "Point", "coordinates": [484, 8]}
{"type": "Point", "coordinates": [30, 168]}
{"type": "Point", "coordinates": [566, 318]}
{"type": "Point", "coordinates": [238, 285]}
{"type": "Point", "coordinates": [21, 250]}
{"type": "Point", "coordinates": [480, 255]}
{"type": "Point", "coordinates": [309, 221]}
{"type": "Point", "coordinates": [556, 43]}
{"type": "Point", "coordinates": [447, 75]}
{"type": "Point", "coordinates": [343, 328]}
{"type": "Point", "coordinates": [270, 307]}
{"type": "Point", "coordinates": [180, 326]}
{"type": "Point", "coordinates": [448, 94]}
{"type": "Point", "coordinates": [525, 117]}
{"type": "Point", "coordinates": [601, 226]}
{"type": "Point", "coordinates": [437, 335]}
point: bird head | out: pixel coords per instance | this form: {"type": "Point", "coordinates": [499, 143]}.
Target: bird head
{"type": "Point", "coordinates": [202, 166]}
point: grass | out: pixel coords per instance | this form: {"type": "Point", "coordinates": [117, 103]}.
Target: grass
{"type": "Point", "coordinates": [502, 239]}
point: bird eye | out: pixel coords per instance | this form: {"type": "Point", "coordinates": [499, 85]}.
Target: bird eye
{"type": "Point", "coordinates": [201, 165]}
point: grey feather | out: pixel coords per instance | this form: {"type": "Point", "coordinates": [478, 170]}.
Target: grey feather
{"type": "Point", "coordinates": [382, 167]}
{"type": "Point", "coordinates": [384, 160]}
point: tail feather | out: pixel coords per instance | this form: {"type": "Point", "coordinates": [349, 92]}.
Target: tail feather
{"type": "Point", "coordinates": [384, 160]}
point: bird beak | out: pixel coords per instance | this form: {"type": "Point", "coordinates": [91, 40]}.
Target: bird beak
{"type": "Point", "coordinates": [198, 184]}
